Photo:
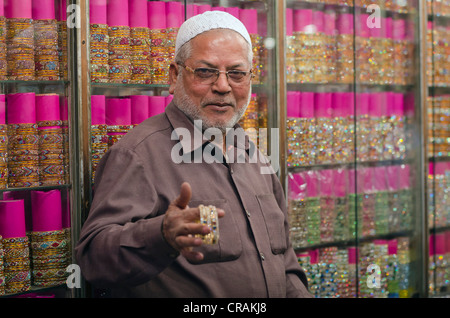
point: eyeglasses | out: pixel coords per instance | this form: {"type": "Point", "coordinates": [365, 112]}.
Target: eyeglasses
{"type": "Point", "coordinates": [207, 76]}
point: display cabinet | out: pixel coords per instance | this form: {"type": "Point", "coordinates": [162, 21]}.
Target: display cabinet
{"type": "Point", "coordinates": [349, 101]}
{"type": "Point", "coordinates": [354, 144]}
{"type": "Point", "coordinates": [438, 150]}
{"type": "Point", "coordinates": [35, 157]}
{"type": "Point", "coordinates": [129, 45]}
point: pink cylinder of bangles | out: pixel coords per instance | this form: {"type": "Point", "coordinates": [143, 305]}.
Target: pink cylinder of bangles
{"type": "Point", "coordinates": [51, 146]}
{"type": "Point", "coordinates": [119, 41]}
{"type": "Point", "coordinates": [118, 118]}
{"type": "Point", "coordinates": [12, 218]}
{"type": "Point", "coordinates": [23, 147]}
{"type": "Point", "coordinates": [3, 144]}
{"type": "Point", "coordinates": [25, 196]}
{"type": "Point", "coordinates": [99, 132]}
{"type": "Point", "coordinates": [139, 109]}
{"type": "Point", "coordinates": [48, 239]}
{"type": "Point", "coordinates": [15, 246]}
{"type": "Point", "coordinates": [46, 210]}
{"type": "Point", "coordinates": [140, 44]}
{"type": "Point", "coordinates": [99, 41]}
{"type": "Point", "coordinates": [45, 40]}
{"type": "Point", "coordinates": [156, 105]}
{"type": "Point", "coordinates": [20, 40]}
{"type": "Point", "coordinates": [158, 42]}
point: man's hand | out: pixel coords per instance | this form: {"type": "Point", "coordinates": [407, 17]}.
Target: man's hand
{"type": "Point", "coordinates": [181, 224]}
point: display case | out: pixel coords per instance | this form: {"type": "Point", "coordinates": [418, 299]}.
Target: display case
{"type": "Point", "coordinates": [354, 145]}
{"type": "Point", "coordinates": [350, 103]}
{"type": "Point", "coordinates": [438, 150]}
{"type": "Point", "coordinates": [35, 157]}
{"type": "Point", "coordinates": [130, 57]}
{"type": "Point", "coordinates": [129, 47]}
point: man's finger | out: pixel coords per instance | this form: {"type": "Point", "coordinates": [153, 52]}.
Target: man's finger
{"type": "Point", "coordinates": [185, 196]}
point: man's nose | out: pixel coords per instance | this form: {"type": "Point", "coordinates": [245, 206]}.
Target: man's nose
{"type": "Point", "coordinates": [221, 85]}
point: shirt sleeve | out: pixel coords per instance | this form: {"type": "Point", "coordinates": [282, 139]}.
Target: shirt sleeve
{"type": "Point", "coordinates": [121, 242]}
{"type": "Point", "coordinates": [296, 282]}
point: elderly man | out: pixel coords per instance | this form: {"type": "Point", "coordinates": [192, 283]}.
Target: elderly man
{"type": "Point", "coordinates": [143, 236]}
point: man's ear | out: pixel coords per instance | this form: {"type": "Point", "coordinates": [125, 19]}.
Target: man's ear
{"type": "Point", "coordinates": [173, 76]}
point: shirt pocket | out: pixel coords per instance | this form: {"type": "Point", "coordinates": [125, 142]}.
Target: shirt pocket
{"type": "Point", "coordinates": [274, 219]}
{"type": "Point", "coordinates": [229, 246]}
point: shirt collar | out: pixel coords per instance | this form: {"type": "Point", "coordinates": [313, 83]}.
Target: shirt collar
{"type": "Point", "coordinates": [183, 124]}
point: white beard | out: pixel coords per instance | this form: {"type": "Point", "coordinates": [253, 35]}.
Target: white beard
{"type": "Point", "coordinates": [190, 109]}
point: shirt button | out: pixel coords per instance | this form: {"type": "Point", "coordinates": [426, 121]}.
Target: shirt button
{"type": "Point", "coordinates": [262, 256]}
{"type": "Point", "coordinates": [248, 213]}
{"type": "Point", "coordinates": [231, 170]}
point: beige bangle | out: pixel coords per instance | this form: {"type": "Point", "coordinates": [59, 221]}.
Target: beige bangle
{"type": "Point", "coordinates": [208, 216]}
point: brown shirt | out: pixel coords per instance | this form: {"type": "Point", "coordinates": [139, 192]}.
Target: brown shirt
{"type": "Point", "coordinates": [121, 246]}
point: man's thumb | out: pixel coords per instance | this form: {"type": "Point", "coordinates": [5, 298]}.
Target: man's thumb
{"type": "Point", "coordinates": [185, 196]}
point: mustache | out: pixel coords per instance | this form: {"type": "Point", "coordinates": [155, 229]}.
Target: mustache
{"type": "Point", "coordinates": [218, 102]}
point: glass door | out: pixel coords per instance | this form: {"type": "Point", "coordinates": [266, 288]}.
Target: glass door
{"type": "Point", "coordinates": [35, 156]}
{"type": "Point", "coordinates": [438, 150]}
{"type": "Point", "coordinates": [354, 149]}
{"type": "Point", "coordinates": [130, 47]}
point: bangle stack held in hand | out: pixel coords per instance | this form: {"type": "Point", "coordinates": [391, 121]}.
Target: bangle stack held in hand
{"type": "Point", "coordinates": [208, 216]}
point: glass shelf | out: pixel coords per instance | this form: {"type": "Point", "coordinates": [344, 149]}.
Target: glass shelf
{"type": "Point", "coordinates": [35, 289]}
{"type": "Point", "coordinates": [342, 87]}
{"type": "Point", "coordinates": [39, 188]}
{"type": "Point", "coordinates": [350, 165]}
{"type": "Point", "coordinates": [353, 241]}
{"type": "Point", "coordinates": [347, 7]}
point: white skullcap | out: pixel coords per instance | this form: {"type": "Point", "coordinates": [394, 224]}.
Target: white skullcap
{"type": "Point", "coordinates": [206, 21]}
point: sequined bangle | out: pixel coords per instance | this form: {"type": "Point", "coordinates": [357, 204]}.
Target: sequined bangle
{"type": "Point", "coordinates": [51, 273]}
{"type": "Point", "coordinates": [17, 276]}
{"type": "Point", "coordinates": [160, 59]}
{"type": "Point", "coordinates": [208, 217]}
{"type": "Point", "coordinates": [49, 251]}
{"type": "Point", "coordinates": [20, 49]}
{"type": "Point", "coordinates": [257, 67]}
{"type": "Point", "coordinates": [17, 287]}
{"type": "Point", "coordinates": [99, 52]}
{"type": "Point", "coordinates": [3, 70]}
{"type": "Point", "coordinates": [344, 59]}
{"type": "Point", "coordinates": [16, 253]}
{"type": "Point", "coordinates": [63, 50]}
{"type": "Point", "coordinates": [119, 54]}
{"type": "Point", "coordinates": [15, 242]}
{"type": "Point", "coordinates": [50, 262]}
{"type": "Point", "coordinates": [43, 236]}
{"type": "Point", "coordinates": [51, 153]}
{"type": "Point", "coordinates": [123, 129]}
{"type": "Point", "coordinates": [114, 138]}
{"type": "Point", "coordinates": [46, 50]}
{"type": "Point", "coordinates": [140, 53]}
{"type": "Point", "coordinates": [3, 157]}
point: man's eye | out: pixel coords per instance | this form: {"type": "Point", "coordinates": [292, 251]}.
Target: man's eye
{"type": "Point", "coordinates": [205, 72]}
{"type": "Point", "coordinates": [236, 74]}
